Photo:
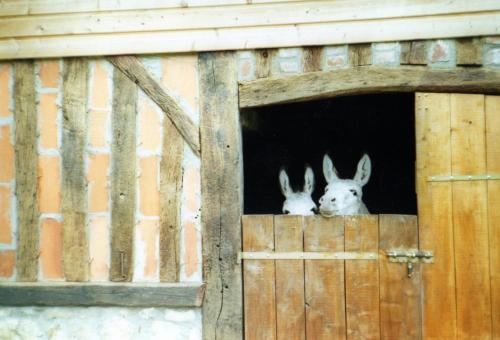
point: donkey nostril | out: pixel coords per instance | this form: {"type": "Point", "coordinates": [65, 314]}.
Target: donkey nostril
{"type": "Point", "coordinates": [333, 199]}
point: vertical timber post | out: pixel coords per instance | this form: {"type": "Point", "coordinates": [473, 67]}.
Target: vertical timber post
{"type": "Point", "coordinates": [221, 188]}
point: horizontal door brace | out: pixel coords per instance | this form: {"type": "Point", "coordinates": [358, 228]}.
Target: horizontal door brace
{"type": "Point", "coordinates": [246, 255]}
{"type": "Point", "coordinates": [452, 178]}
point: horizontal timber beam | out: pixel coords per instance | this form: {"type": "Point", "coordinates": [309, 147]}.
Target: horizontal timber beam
{"type": "Point", "coordinates": [102, 294]}
{"type": "Point", "coordinates": [365, 80]}
{"type": "Point", "coordinates": [135, 71]}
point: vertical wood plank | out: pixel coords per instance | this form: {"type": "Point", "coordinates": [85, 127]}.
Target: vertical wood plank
{"type": "Point", "coordinates": [399, 295]}
{"type": "Point", "coordinates": [263, 63]}
{"type": "Point", "coordinates": [290, 312]}
{"type": "Point", "coordinates": [360, 54]}
{"type": "Point", "coordinates": [123, 176]}
{"type": "Point", "coordinates": [492, 108]}
{"type": "Point", "coordinates": [259, 279]}
{"type": "Point", "coordinates": [432, 121]}
{"type": "Point", "coordinates": [26, 171]}
{"type": "Point", "coordinates": [362, 279]}
{"type": "Point", "coordinates": [324, 279]}
{"type": "Point", "coordinates": [469, 52]}
{"type": "Point", "coordinates": [413, 53]}
{"type": "Point", "coordinates": [73, 190]}
{"type": "Point", "coordinates": [170, 202]}
{"type": "Point", "coordinates": [470, 217]}
{"type": "Point", "coordinates": [222, 189]}
{"type": "Point", "coordinates": [311, 59]}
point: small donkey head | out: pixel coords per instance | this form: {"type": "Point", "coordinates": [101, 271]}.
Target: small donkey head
{"type": "Point", "coordinates": [298, 203]}
{"type": "Point", "coordinates": [344, 196]}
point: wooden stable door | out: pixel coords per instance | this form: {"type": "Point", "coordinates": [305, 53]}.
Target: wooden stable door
{"type": "Point", "coordinates": [329, 278]}
{"type": "Point", "coordinates": [458, 167]}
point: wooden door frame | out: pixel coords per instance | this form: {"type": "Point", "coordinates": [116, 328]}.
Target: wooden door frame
{"type": "Point", "coordinates": [221, 99]}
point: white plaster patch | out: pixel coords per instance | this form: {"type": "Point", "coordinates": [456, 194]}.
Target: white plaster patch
{"type": "Point", "coordinates": [75, 323]}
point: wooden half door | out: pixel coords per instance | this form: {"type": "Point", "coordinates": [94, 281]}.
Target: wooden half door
{"type": "Point", "coordinates": [458, 161]}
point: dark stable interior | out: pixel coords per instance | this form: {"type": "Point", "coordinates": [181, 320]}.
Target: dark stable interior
{"type": "Point", "coordinates": [293, 135]}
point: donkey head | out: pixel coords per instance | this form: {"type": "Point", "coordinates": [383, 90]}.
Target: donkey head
{"type": "Point", "coordinates": [344, 196]}
{"type": "Point", "coordinates": [298, 203]}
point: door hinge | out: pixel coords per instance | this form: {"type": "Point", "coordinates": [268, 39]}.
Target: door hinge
{"type": "Point", "coordinates": [410, 257]}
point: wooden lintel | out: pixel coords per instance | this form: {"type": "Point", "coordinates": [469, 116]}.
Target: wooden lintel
{"type": "Point", "coordinates": [102, 294]}
{"type": "Point", "coordinates": [136, 72]}
{"type": "Point", "coordinates": [364, 80]}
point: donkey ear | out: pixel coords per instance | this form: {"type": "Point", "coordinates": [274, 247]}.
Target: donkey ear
{"type": "Point", "coordinates": [285, 184]}
{"type": "Point", "coordinates": [309, 181]}
{"type": "Point", "coordinates": [364, 170]}
{"type": "Point", "coordinates": [328, 170]}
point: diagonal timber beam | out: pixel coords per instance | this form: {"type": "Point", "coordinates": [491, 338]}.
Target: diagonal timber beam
{"type": "Point", "coordinates": [136, 72]}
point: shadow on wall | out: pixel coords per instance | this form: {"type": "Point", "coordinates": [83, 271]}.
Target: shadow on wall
{"type": "Point", "coordinates": [292, 135]}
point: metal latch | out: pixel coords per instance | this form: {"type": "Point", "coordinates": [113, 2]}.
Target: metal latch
{"type": "Point", "coordinates": [410, 256]}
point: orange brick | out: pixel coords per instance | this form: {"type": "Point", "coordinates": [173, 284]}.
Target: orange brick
{"type": "Point", "coordinates": [51, 243]}
{"type": "Point", "coordinates": [148, 186]}
{"type": "Point", "coordinates": [47, 121]}
{"type": "Point", "coordinates": [49, 73]}
{"type": "Point", "coordinates": [100, 86]}
{"type": "Point", "coordinates": [180, 75]}
{"type": "Point", "coordinates": [6, 154]}
{"type": "Point", "coordinates": [98, 182]}
{"type": "Point", "coordinates": [7, 263]}
{"type": "Point", "coordinates": [99, 248]}
{"type": "Point", "coordinates": [148, 233]}
{"type": "Point", "coordinates": [150, 137]}
{"type": "Point", "coordinates": [49, 184]}
{"type": "Point", "coordinates": [98, 128]}
{"type": "Point", "coordinates": [190, 248]}
{"type": "Point", "coordinates": [5, 222]}
{"type": "Point", "coordinates": [4, 90]}
{"type": "Point", "coordinates": [191, 188]}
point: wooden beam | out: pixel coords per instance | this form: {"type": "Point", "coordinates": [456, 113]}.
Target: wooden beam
{"type": "Point", "coordinates": [99, 21]}
{"type": "Point", "coordinates": [102, 294]}
{"type": "Point", "coordinates": [74, 184]}
{"type": "Point", "coordinates": [134, 70]}
{"type": "Point", "coordinates": [25, 116]}
{"type": "Point", "coordinates": [222, 189]}
{"type": "Point", "coordinates": [123, 177]}
{"type": "Point", "coordinates": [252, 37]}
{"type": "Point", "coordinates": [362, 80]}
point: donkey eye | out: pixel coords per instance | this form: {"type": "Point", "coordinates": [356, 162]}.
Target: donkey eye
{"type": "Point", "coordinates": [354, 192]}
{"type": "Point", "coordinates": [333, 199]}
{"type": "Point", "coordinates": [286, 211]}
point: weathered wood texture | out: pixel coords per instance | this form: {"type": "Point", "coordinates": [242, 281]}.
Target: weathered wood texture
{"type": "Point", "coordinates": [109, 28]}
{"type": "Point", "coordinates": [221, 189]}
{"type": "Point", "coordinates": [362, 279]}
{"type": "Point", "coordinates": [73, 190]}
{"type": "Point", "coordinates": [290, 299]}
{"type": "Point", "coordinates": [470, 221]}
{"type": "Point", "coordinates": [123, 179]}
{"type": "Point", "coordinates": [26, 155]}
{"type": "Point", "coordinates": [469, 51]}
{"type": "Point", "coordinates": [399, 295]}
{"type": "Point", "coordinates": [318, 85]}
{"type": "Point", "coordinates": [360, 54]}
{"type": "Point", "coordinates": [432, 120]}
{"type": "Point", "coordinates": [312, 59]}
{"type": "Point", "coordinates": [492, 111]}
{"type": "Point", "coordinates": [259, 279]}
{"type": "Point", "coordinates": [102, 294]}
{"type": "Point", "coordinates": [340, 297]}
{"type": "Point", "coordinates": [413, 53]}
{"type": "Point", "coordinates": [324, 280]}
{"type": "Point", "coordinates": [134, 69]}
{"type": "Point", "coordinates": [170, 202]}
{"type": "Point", "coordinates": [263, 63]}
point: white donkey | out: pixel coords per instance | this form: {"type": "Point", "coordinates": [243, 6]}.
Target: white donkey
{"type": "Point", "coordinates": [344, 196]}
{"type": "Point", "coordinates": [298, 203]}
